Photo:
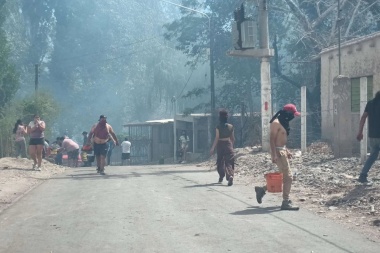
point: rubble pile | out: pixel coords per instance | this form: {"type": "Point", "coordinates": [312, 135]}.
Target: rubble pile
{"type": "Point", "coordinates": [323, 184]}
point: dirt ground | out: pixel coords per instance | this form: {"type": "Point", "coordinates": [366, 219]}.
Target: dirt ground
{"type": "Point", "coordinates": [324, 185]}
{"type": "Point", "coordinates": [17, 177]}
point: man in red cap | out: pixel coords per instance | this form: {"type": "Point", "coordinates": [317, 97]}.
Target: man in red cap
{"type": "Point", "coordinates": [279, 131]}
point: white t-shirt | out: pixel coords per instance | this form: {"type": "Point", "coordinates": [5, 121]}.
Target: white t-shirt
{"type": "Point", "coordinates": [126, 147]}
{"type": "Point", "coordinates": [184, 139]}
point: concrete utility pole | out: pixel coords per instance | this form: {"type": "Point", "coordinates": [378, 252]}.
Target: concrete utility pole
{"type": "Point", "coordinates": [264, 53]}
{"type": "Point", "coordinates": [266, 90]}
{"type": "Point", "coordinates": [303, 120]}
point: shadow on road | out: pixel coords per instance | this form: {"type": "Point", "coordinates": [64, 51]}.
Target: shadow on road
{"type": "Point", "coordinates": [88, 175]}
{"type": "Point", "coordinates": [257, 210]}
{"type": "Point", "coordinates": [204, 185]}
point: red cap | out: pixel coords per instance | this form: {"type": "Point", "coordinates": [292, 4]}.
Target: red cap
{"type": "Point", "coordinates": [291, 108]}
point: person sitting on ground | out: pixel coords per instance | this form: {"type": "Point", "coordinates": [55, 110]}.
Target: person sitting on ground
{"type": "Point", "coordinates": [279, 131]}
{"type": "Point", "coordinates": [84, 134]}
{"type": "Point", "coordinates": [55, 150]}
{"type": "Point", "coordinates": [47, 150]}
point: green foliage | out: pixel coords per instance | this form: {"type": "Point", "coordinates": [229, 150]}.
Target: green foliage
{"type": "Point", "coordinates": [9, 82]}
{"type": "Point", "coordinates": [42, 104]}
{"type": "Point", "coordinates": [192, 34]}
{"type": "Point", "coordinates": [110, 57]}
{"type": "Point", "coordinates": [196, 92]}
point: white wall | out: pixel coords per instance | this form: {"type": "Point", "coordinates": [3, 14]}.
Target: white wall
{"type": "Point", "coordinates": [360, 57]}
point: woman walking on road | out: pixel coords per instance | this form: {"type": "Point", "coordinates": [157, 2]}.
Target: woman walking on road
{"type": "Point", "coordinates": [224, 142]}
{"type": "Point", "coordinates": [36, 130]}
{"type": "Point", "coordinates": [20, 130]}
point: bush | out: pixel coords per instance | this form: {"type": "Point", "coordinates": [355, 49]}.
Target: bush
{"type": "Point", "coordinates": [42, 104]}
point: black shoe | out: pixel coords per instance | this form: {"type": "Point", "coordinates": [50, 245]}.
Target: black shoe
{"type": "Point", "coordinates": [220, 179]}
{"type": "Point", "coordinates": [260, 192]}
{"type": "Point", "coordinates": [288, 205]}
{"type": "Point", "coordinates": [230, 181]}
{"type": "Point", "coordinates": [98, 170]}
{"type": "Point", "coordinates": [364, 180]}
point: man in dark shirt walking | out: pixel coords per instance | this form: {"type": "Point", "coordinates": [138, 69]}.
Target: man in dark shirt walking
{"type": "Point", "coordinates": [372, 111]}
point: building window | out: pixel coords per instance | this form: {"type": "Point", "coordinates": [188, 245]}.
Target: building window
{"type": "Point", "coordinates": [355, 92]}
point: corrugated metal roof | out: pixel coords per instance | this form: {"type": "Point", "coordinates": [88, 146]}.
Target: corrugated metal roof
{"type": "Point", "coordinates": [160, 121]}
{"type": "Point", "coordinates": [150, 122]}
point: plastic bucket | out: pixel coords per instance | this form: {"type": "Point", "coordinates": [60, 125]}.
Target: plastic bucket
{"type": "Point", "coordinates": [274, 182]}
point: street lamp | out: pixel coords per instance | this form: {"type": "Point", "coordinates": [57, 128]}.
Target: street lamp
{"type": "Point", "coordinates": [212, 77]}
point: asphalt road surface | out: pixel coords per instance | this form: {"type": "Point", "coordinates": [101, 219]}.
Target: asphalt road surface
{"type": "Point", "coordinates": [163, 209]}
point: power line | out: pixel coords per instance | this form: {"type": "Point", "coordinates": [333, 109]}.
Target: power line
{"type": "Point", "coordinates": [101, 52]}
{"type": "Point", "coordinates": [187, 82]}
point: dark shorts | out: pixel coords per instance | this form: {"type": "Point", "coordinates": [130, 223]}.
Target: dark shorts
{"type": "Point", "coordinates": [73, 155]}
{"type": "Point", "coordinates": [125, 156]}
{"type": "Point", "coordinates": [100, 149]}
{"type": "Point", "coordinates": [36, 141]}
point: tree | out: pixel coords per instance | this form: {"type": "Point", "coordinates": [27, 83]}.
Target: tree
{"type": "Point", "coordinates": [9, 82]}
{"type": "Point", "coordinates": [191, 33]}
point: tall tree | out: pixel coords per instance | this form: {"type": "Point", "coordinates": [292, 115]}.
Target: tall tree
{"type": "Point", "coordinates": [9, 81]}
{"type": "Point", "coordinates": [192, 33]}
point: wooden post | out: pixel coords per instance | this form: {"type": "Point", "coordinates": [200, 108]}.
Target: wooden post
{"type": "Point", "coordinates": [174, 100]}
{"type": "Point", "coordinates": [303, 119]}
{"type": "Point", "coordinates": [36, 78]}
{"type": "Point", "coordinates": [363, 103]}
{"type": "Point", "coordinates": [194, 135]}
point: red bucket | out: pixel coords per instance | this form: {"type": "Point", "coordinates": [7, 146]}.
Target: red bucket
{"type": "Point", "coordinates": [274, 182]}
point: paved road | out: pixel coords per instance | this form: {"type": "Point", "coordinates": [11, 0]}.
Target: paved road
{"type": "Point", "coordinates": [163, 209]}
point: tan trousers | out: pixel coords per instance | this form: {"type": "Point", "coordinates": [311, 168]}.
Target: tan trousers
{"type": "Point", "coordinates": [284, 168]}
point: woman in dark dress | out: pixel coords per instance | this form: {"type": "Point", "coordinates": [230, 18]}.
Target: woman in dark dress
{"type": "Point", "coordinates": [224, 143]}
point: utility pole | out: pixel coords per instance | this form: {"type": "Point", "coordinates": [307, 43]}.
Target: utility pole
{"type": "Point", "coordinates": [266, 90]}
{"type": "Point", "coordinates": [212, 76]}
{"type": "Point", "coordinates": [339, 48]}
{"type": "Point", "coordinates": [212, 72]}
{"type": "Point", "coordinates": [211, 44]}
{"type": "Point", "coordinates": [36, 78]}
{"type": "Point", "coordinates": [264, 53]}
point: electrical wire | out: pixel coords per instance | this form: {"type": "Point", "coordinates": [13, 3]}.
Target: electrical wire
{"type": "Point", "coordinates": [187, 82]}
{"type": "Point", "coordinates": [101, 52]}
